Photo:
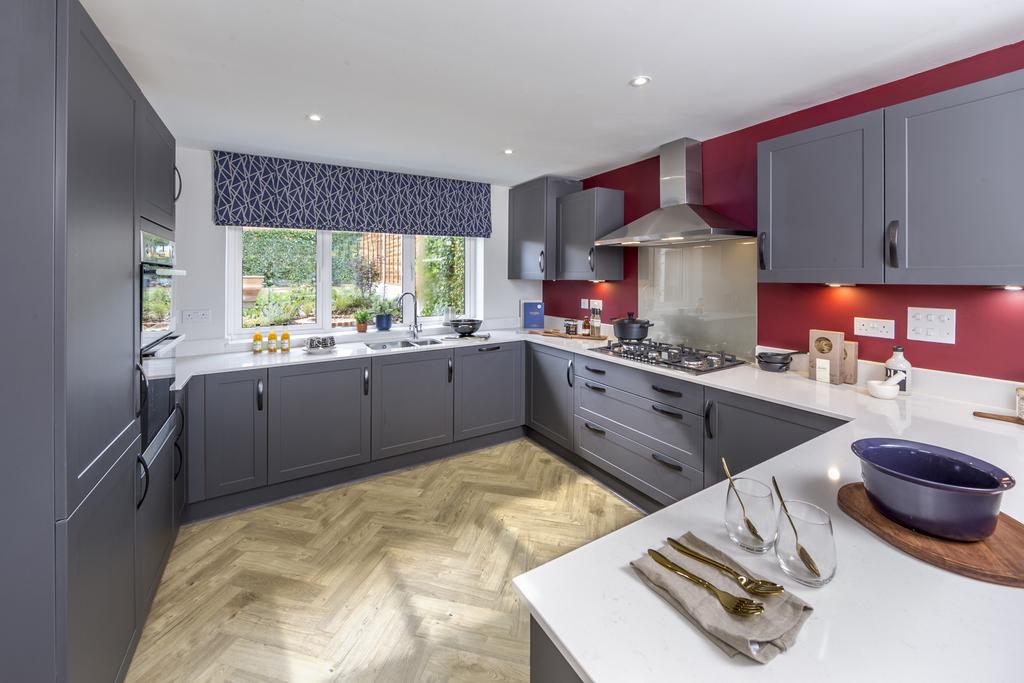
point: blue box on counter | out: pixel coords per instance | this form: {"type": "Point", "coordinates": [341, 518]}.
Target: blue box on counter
{"type": "Point", "coordinates": [533, 315]}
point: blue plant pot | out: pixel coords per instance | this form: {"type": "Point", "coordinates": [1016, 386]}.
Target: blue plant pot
{"type": "Point", "coordinates": [383, 321]}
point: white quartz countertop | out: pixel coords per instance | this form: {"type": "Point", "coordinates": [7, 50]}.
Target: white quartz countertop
{"type": "Point", "coordinates": [885, 616]}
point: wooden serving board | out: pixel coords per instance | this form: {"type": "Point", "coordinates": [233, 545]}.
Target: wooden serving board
{"type": "Point", "coordinates": [563, 335]}
{"type": "Point", "coordinates": [996, 559]}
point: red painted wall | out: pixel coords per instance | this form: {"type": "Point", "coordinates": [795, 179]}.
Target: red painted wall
{"type": "Point", "coordinates": [990, 323]}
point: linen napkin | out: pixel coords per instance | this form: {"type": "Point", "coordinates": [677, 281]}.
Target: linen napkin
{"type": "Point", "coordinates": [761, 637]}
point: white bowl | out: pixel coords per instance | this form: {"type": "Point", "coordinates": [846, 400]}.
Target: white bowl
{"type": "Point", "coordinates": [879, 389]}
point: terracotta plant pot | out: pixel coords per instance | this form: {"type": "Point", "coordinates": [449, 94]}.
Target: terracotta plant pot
{"type": "Point", "coordinates": [251, 286]}
{"type": "Point", "coordinates": [361, 327]}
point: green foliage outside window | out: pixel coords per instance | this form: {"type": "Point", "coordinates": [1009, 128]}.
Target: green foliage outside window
{"type": "Point", "coordinates": [283, 257]}
{"type": "Point", "coordinates": [441, 274]}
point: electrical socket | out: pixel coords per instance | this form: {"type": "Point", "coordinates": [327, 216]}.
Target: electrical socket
{"type": "Point", "coordinates": [196, 316]}
{"type": "Point", "coordinates": [585, 303]}
{"type": "Point", "coordinates": [595, 303]}
{"type": "Point", "coordinates": [874, 327]}
{"type": "Point", "coordinates": [932, 324]}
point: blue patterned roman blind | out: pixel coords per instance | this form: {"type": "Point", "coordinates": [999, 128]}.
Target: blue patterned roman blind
{"type": "Point", "coordinates": [267, 192]}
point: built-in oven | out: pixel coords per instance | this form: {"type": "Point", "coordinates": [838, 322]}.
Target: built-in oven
{"type": "Point", "coordinates": [156, 290]}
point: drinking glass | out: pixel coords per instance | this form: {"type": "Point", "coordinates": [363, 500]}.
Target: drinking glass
{"type": "Point", "coordinates": [756, 499]}
{"type": "Point", "coordinates": [813, 530]}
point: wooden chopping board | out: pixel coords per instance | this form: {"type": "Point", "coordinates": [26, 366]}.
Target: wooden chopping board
{"type": "Point", "coordinates": [996, 559]}
{"type": "Point", "coordinates": [563, 335]}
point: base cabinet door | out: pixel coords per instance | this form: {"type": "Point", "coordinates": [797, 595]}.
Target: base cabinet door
{"type": "Point", "coordinates": [488, 389]}
{"type": "Point", "coordinates": [96, 576]}
{"type": "Point", "coordinates": [179, 479]}
{"type": "Point", "coordinates": [746, 432]}
{"type": "Point", "coordinates": [549, 393]}
{"type": "Point", "coordinates": [235, 432]}
{"type": "Point", "coordinates": [319, 418]}
{"type": "Point", "coordinates": [413, 402]}
{"type": "Point", "coordinates": [154, 525]}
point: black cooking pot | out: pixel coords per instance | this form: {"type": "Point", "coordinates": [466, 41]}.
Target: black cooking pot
{"type": "Point", "coordinates": [631, 329]}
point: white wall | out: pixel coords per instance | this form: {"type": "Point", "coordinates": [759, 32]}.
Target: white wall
{"type": "Point", "coordinates": [201, 247]}
{"type": "Point", "coordinates": [501, 296]}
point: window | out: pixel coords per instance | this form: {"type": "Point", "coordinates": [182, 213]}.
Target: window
{"type": "Point", "coordinates": [311, 280]}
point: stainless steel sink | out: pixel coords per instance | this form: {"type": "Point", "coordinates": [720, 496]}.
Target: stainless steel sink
{"type": "Point", "coordinates": [400, 344]}
{"type": "Point", "coordinates": [388, 345]}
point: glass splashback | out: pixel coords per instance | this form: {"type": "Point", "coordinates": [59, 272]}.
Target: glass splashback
{"type": "Point", "coordinates": [703, 296]}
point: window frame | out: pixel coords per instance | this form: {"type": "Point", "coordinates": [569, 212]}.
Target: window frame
{"type": "Point", "coordinates": [324, 284]}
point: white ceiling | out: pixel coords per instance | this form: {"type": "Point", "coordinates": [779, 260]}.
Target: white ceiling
{"type": "Point", "coordinates": [442, 87]}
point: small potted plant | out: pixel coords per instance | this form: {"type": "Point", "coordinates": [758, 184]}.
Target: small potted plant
{"type": "Point", "coordinates": [386, 312]}
{"type": "Point", "coordinates": [362, 317]}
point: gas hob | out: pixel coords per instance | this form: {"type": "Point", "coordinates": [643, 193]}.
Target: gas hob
{"type": "Point", "coordinates": [676, 356]}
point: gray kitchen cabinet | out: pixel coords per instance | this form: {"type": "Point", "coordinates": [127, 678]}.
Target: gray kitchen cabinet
{"type": "Point", "coordinates": [154, 517]}
{"type": "Point", "coordinates": [652, 471]}
{"type": "Point", "coordinates": [67, 130]}
{"type": "Point", "coordinates": [28, 270]}
{"type": "Point", "coordinates": [96, 577]}
{"type": "Point", "coordinates": [583, 217]}
{"type": "Point", "coordinates": [747, 431]}
{"type": "Point", "coordinates": [549, 393]}
{"type": "Point", "coordinates": [413, 402]}
{"type": "Point", "coordinates": [488, 389]}
{"type": "Point", "coordinates": [664, 428]}
{"type": "Point", "coordinates": [179, 490]}
{"type": "Point", "coordinates": [96, 298]}
{"type": "Point", "coordinates": [155, 173]}
{"type": "Point", "coordinates": [235, 432]}
{"type": "Point", "coordinates": [820, 203]}
{"type": "Point", "coordinates": [954, 168]}
{"type": "Point", "coordinates": [319, 418]}
{"type": "Point", "coordinates": [533, 227]}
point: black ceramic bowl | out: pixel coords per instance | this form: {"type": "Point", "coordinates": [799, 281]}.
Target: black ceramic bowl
{"type": "Point", "coordinates": [465, 326]}
{"type": "Point", "coordinates": [772, 367]}
{"type": "Point", "coordinates": [931, 489]}
{"type": "Point", "coordinates": [776, 357]}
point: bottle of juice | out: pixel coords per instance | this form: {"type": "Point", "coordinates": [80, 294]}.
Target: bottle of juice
{"type": "Point", "coordinates": [257, 342]}
{"type": "Point", "coordinates": [271, 341]}
{"type": "Point", "coordinates": [286, 341]}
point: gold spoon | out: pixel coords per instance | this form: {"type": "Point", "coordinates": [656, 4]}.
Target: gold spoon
{"type": "Point", "coordinates": [800, 550]}
{"type": "Point", "coordinates": [746, 520]}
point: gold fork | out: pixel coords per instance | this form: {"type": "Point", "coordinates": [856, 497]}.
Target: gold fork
{"type": "Point", "coordinates": [743, 607]}
{"type": "Point", "coordinates": [747, 583]}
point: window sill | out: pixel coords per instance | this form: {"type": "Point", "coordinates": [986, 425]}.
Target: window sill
{"type": "Point", "coordinates": [240, 342]}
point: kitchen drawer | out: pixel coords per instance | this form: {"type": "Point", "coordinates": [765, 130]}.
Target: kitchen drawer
{"type": "Point", "coordinates": [650, 471]}
{"type": "Point", "coordinates": [679, 393]}
{"type": "Point", "coordinates": [665, 428]}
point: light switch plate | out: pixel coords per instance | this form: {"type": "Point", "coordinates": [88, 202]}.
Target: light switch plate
{"type": "Point", "coordinates": [595, 303]}
{"type": "Point", "coordinates": [874, 327]}
{"type": "Point", "coordinates": [196, 316]}
{"type": "Point", "coordinates": [585, 303]}
{"type": "Point", "coordinates": [932, 325]}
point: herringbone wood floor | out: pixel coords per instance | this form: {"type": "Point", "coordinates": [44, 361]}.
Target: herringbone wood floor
{"type": "Point", "coordinates": [405, 577]}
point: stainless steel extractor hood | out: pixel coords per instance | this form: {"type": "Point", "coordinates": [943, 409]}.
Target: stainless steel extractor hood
{"type": "Point", "coordinates": [682, 218]}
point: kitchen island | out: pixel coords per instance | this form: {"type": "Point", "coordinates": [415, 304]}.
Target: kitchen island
{"type": "Point", "coordinates": [885, 616]}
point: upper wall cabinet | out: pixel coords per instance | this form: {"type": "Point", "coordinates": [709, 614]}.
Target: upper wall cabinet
{"type": "Point", "coordinates": [935, 200]}
{"type": "Point", "coordinates": [533, 227]}
{"type": "Point", "coordinates": [820, 203]}
{"type": "Point", "coordinates": [156, 177]}
{"type": "Point", "coordinates": [582, 218]}
{"type": "Point", "coordinates": [954, 169]}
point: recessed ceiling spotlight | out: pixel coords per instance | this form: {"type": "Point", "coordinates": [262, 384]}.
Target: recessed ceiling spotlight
{"type": "Point", "coordinates": [314, 117]}
{"type": "Point", "coordinates": [509, 150]}
{"type": "Point", "coordinates": [1013, 288]}
{"type": "Point", "coordinates": [638, 81]}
